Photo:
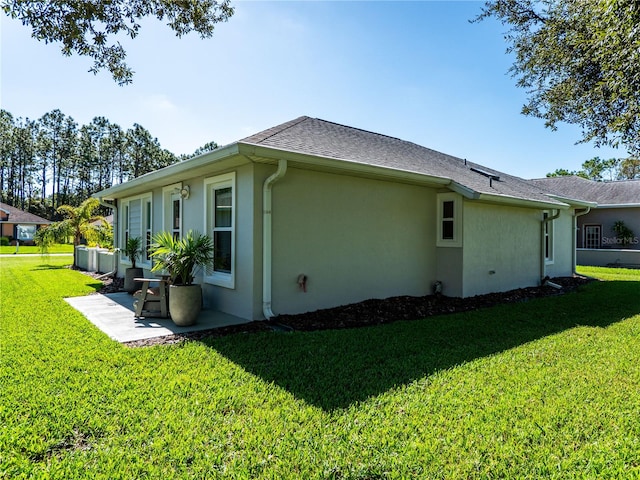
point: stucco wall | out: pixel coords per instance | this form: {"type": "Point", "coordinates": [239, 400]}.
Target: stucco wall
{"type": "Point", "coordinates": [501, 248]}
{"type": "Point", "coordinates": [449, 270]}
{"type": "Point", "coordinates": [238, 300]}
{"type": "Point", "coordinates": [354, 238]}
{"type": "Point", "coordinates": [606, 217]}
{"type": "Point", "coordinates": [562, 264]}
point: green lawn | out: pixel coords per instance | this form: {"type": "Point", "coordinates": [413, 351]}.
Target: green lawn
{"type": "Point", "coordinates": [602, 273]}
{"type": "Point", "coordinates": [31, 249]}
{"type": "Point", "coordinates": [544, 389]}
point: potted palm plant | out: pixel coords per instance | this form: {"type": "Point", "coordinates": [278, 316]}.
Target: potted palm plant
{"type": "Point", "coordinates": [180, 258]}
{"type": "Point", "coordinates": [132, 250]}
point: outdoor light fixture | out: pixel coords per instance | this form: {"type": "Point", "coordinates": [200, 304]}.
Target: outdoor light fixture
{"type": "Point", "coordinates": [185, 192]}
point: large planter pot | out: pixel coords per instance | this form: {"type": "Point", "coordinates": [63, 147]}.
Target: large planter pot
{"type": "Point", "coordinates": [185, 304]}
{"type": "Point", "coordinates": [129, 274]}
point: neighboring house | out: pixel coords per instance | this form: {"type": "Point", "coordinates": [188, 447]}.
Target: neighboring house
{"type": "Point", "coordinates": [616, 201]}
{"type": "Point", "coordinates": [17, 224]}
{"type": "Point", "coordinates": [312, 214]}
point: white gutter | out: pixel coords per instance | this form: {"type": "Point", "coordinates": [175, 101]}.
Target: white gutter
{"type": "Point", "coordinates": [543, 260]}
{"type": "Point", "coordinates": [574, 238]}
{"type": "Point", "coordinates": [618, 205]}
{"type": "Point", "coordinates": [510, 200]}
{"type": "Point", "coordinates": [267, 237]}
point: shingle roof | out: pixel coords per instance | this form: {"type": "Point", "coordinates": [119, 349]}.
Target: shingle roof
{"type": "Point", "coordinates": [20, 216]}
{"type": "Point", "coordinates": [317, 137]}
{"type": "Point", "coordinates": [624, 192]}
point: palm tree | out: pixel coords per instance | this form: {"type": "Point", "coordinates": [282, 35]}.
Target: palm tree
{"type": "Point", "coordinates": [77, 222]}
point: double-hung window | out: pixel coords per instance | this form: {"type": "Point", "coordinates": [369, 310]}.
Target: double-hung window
{"type": "Point", "coordinates": [137, 220]}
{"type": "Point", "coordinates": [220, 225]}
{"type": "Point", "coordinates": [449, 228]}
{"type": "Point", "coordinates": [172, 210]}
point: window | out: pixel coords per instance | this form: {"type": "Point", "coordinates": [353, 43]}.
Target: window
{"type": "Point", "coordinates": [137, 221]}
{"type": "Point", "coordinates": [548, 239]}
{"type": "Point", "coordinates": [126, 225]}
{"type": "Point", "coordinates": [147, 228]}
{"type": "Point", "coordinates": [592, 236]}
{"type": "Point", "coordinates": [176, 206]}
{"type": "Point", "coordinates": [449, 220]}
{"type": "Point", "coordinates": [220, 224]}
{"type": "Point", "coordinates": [172, 210]}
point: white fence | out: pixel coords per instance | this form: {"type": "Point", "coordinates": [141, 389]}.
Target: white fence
{"type": "Point", "coordinates": [607, 257]}
{"type": "Point", "coordinates": [95, 259]}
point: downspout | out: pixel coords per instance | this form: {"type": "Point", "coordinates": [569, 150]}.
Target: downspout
{"type": "Point", "coordinates": [543, 263]}
{"type": "Point", "coordinates": [116, 250]}
{"type": "Point", "coordinates": [575, 238]}
{"type": "Point", "coordinates": [267, 237]}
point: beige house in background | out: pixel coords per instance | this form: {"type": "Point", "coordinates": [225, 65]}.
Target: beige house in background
{"type": "Point", "coordinates": [18, 225]}
{"type": "Point", "coordinates": [618, 201]}
{"type": "Point", "coordinates": [311, 214]}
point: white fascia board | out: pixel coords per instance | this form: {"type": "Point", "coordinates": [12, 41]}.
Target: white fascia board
{"type": "Point", "coordinates": [338, 165]}
{"type": "Point", "coordinates": [521, 202]}
{"type": "Point", "coordinates": [618, 205]}
{"type": "Point", "coordinates": [466, 192]}
{"type": "Point", "coordinates": [168, 174]}
{"type": "Point", "coordinates": [572, 201]}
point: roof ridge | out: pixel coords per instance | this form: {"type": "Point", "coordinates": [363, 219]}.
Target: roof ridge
{"type": "Point", "coordinates": [409, 142]}
{"type": "Point", "coordinates": [271, 132]}
{"type": "Point", "coordinates": [363, 130]}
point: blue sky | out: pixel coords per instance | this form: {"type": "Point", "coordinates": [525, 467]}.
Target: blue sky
{"type": "Point", "coordinates": [419, 71]}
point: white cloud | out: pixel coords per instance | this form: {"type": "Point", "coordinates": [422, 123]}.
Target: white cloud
{"type": "Point", "coordinates": [159, 102]}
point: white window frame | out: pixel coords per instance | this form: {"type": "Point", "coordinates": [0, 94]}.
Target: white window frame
{"type": "Point", "coordinates": [585, 236]}
{"type": "Point", "coordinates": [168, 195]}
{"type": "Point", "coordinates": [211, 184]}
{"type": "Point", "coordinates": [456, 241]}
{"type": "Point", "coordinates": [548, 242]}
{"type": "Point", "coordinates": [146, 225]}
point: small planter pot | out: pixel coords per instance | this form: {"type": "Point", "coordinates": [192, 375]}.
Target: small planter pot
{"type": "Point", "coordinates": [129, 274]}
{"type": "Point", "coordinates": [185, 304]}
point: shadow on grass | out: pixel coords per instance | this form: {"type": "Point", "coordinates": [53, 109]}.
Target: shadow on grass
{"type": "Point", "coordinates": [97, 286]}
{"type": "Point", "coordinates": [337, 368]}
{"type": "Point", "coordinates": [50, 267]}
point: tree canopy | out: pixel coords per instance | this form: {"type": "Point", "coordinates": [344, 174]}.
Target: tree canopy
{"type": "Point", "coordinates": [579, 62]}
{"type": "Point", "coordinates": [52, 161]}
{"type": "Point", "coordinates": [600, 170]}
{"type": "Point", "coordinates": [90, 28]}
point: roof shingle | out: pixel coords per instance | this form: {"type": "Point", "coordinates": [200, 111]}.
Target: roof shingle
{"type": "Point", "coordinates": [20, 216]}
{"type": "Point", "coordinates": [327, 139]}
{"type": "Point", "coordinates": [624, 192]}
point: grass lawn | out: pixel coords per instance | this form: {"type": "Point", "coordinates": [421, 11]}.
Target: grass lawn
{"type": "Point", "coordinates": [32, 249]}
{"type": "Point", "coordinates": [544, 389]}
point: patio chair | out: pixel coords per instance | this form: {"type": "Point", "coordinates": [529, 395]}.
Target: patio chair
{"type": "Point", "coordinates": [152, 301]}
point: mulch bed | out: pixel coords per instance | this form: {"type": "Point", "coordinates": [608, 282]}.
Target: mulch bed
{"type": "Point", "coordinates": [375, 312]}
{"type": "Point", "coordinates": [366, 313]}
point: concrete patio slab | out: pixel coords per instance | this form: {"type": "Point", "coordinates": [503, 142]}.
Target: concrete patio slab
{"type": "Point", "coordinates": [113, 314]}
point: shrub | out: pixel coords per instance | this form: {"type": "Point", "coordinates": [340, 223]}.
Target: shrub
{"type": "Point", "coordinates": [4, 242]}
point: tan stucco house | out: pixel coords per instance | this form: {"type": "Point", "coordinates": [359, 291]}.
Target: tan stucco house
{"type": "Point", "coordinates": [312, 214]}
{"type": "Point", "coordinates": [18, 225]}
